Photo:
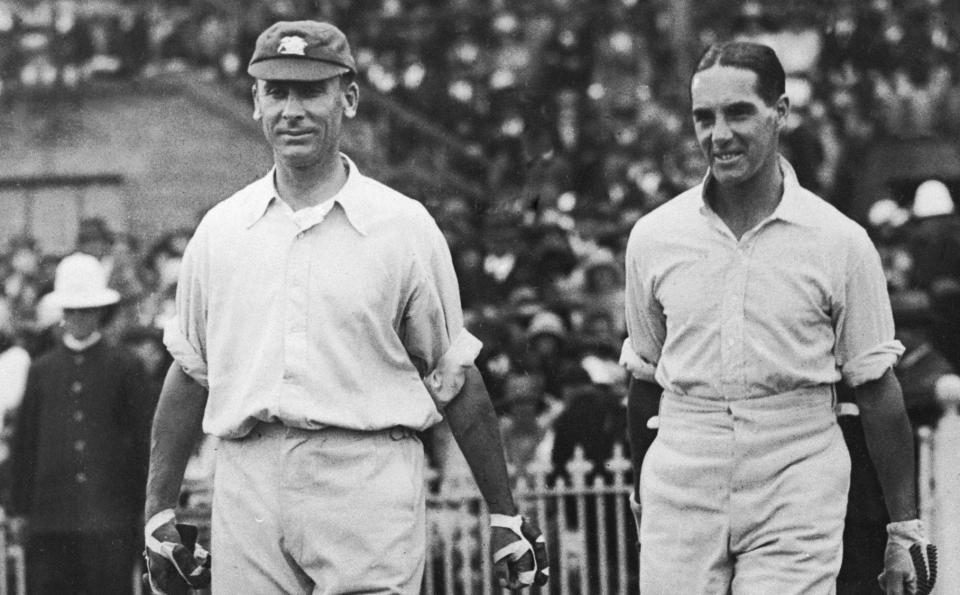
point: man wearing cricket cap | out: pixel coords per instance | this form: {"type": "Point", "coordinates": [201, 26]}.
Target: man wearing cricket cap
{"type": "Point", "coordinates": [318, 332]}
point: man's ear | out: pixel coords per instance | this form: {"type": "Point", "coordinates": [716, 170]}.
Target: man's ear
{"type": "Point", "coordinates": [351, 99]}
{"type": "Point", "coordinates": [783, 110]}
{"type": "Point", "coordinates": [256, 102]}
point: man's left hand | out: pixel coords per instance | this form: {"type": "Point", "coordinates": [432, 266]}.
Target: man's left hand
{"type": "Point", "coordinates": [519, 552]}
{"type": "Point", "coordinates": [909, 562]}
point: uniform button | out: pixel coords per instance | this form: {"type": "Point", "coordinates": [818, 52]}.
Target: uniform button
{"type": "Point", "coordinates": [81, 477]}
{"type": "Point", "coordinates": [76, 387]}
{"type": "Point", "coordinates": [78, 359]}
{"type": "Point", "coordinates": [78, 416]}
{"type": "Point", "coordinates": [79, 445]}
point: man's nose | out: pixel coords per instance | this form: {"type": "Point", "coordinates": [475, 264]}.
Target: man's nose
{"type": "Point", "coordinates": [292, 107]}
{"type": "Point", "coordinates": [722, 131]}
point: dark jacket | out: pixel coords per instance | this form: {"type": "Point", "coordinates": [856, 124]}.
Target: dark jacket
{"type": "Point", "coordinates": [81, 442]}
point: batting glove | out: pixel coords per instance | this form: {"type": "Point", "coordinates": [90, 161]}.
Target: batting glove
{"type": "Point", "coordinates": [176, 563]}
{"type": "Point", "coordinates": [526, 555]}
{"type": "Point", "coordinates": [909, 562]}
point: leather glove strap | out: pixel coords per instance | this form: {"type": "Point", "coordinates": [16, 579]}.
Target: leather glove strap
{"type": "Point", "coordinates": [518, 548]}
{"type": "Point", "coordinates": [166, 548]}
{"type": "Point", "coordinates": [156, 521]}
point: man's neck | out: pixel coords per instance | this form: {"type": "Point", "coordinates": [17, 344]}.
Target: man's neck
{"type": "Point", "coordinates": [307, 187]}
{"type": "Point", "coordinates": [743, 206]}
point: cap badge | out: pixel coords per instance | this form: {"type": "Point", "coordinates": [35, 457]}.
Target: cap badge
{"type": "Point", "coordinates": [293, 44]}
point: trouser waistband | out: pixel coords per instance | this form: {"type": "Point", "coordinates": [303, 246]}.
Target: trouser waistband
{"type": "Point", "coordinates": [815, 396]}
{"type": "Point", "coordinates": [270, 429]}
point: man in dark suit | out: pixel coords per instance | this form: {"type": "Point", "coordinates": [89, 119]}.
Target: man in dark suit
{"type": "Point", "coordinates": [80, 447]}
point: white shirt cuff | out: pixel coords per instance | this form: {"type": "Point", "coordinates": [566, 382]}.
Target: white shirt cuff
{"type": "Point", "coordinates": [184, 353]}
{"type": "Point", "coordinates": [446, 380]}
{"type": "Point", "coordinates": [637, 366]}
{"type": "Point", "coordinates": [873, 363]}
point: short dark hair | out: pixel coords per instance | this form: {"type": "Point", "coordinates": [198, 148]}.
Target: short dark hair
{"type": "Point", "coordinates": [756, 57]}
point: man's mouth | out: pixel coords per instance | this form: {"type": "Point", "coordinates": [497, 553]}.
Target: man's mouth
{"type": "Point", "coordinates": [726, 156]}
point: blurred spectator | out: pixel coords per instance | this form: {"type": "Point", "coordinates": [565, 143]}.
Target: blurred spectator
{"type": "Point", "coordinates": [933, 242]}
{"type": "Point", "coordinates": [80, 447]}
{"type": "Point", "coordinates": [934, 236]}
{"type": "Point", "coordinates": [546, 351]}
{"type": "Point", "coordinates": [95, 238]}
{"type": "Point", "coordinates": [21, 285]}
{"type": "Point", "coordinates": [593, 420]}
{"type": "Point", "coordinates": [506, 263]}
{"type": "Point", "coordinates": [603, 290]}
{"type": "Point", "coordinates": [147, 344]}
{"type": "Point", "coordinates": [14, 363]}
{"type": "Point", "coordinates": [525, 427]}
{"type": "Point", "coordinates": [161, 272]}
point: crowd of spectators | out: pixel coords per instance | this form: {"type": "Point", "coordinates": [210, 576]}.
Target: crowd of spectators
{"type": "Point", "coordinates": [580, 130]}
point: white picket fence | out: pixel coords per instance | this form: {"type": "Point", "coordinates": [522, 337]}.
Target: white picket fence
{"type": "Point", "coordinates": [589, 526]}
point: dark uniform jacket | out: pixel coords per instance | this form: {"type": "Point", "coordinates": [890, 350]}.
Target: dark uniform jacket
{"type": "Point", "coordinates": [81, 443]}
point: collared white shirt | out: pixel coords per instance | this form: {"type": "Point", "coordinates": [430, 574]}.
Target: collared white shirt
{"type": "Point", "coordinates": [330, 315]}
{"type": "Point", "coordinates": [800, 300]}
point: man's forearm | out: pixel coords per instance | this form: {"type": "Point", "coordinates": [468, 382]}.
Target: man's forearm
{"type": "Point", "coordinates": [643, 402]}
{"type": "Point", "coordinates": [176, 429]}
{"type": "Point", "coordinates": [474, 426]}
{"type": "Point", "coordinates": [890, 442]}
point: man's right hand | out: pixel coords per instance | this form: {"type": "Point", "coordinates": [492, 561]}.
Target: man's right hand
{"type": "Point", "coordinates": [175, 563]}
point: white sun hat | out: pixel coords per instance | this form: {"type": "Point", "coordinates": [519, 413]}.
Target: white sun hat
{"type": "Point", "coordinates": [932, 198]}
{"type": "Point", "coordinates": [81, 282]}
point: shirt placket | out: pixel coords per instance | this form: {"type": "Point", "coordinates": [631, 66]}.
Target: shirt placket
{"type": "Point", "coordinates": [296, 308]}
{"type": "Point", "coordinates": [732, 334]}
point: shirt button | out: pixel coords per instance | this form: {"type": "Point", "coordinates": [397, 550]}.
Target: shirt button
{"type": "Point", "coordinates": [78, 416]}
{"type": "Point", "coordinates": [79, 445]}
{"type": "Point", "coordinates": [731, 342]}
{"type": "Point", "coordinates": [76, 387]}
{"type": "Point", "coordinates": [81, 477]}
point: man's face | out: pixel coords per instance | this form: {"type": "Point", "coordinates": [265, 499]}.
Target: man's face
{"type": "Point", "coordinates": [737, 131]}
{"type": "Point", "coordinates": [303, 120]}
{"type": "Point", "coordinates": [81, 323]}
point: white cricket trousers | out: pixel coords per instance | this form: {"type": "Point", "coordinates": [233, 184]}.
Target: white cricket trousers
{"type": "Point", "coordinates": [324, 512]}
{"type": "Point", "coordinates": [744, 496]}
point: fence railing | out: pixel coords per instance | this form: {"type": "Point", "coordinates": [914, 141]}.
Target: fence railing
{"type": "Point", "coordinates": [588, 524]}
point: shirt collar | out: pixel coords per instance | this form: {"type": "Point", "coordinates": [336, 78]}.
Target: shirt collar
{"type": "Point", "coordinates": [74, 344]}
{"type": "Point", "coordinates": [351, 198]}
{"type": "Point", "coordinates": [790, 208]}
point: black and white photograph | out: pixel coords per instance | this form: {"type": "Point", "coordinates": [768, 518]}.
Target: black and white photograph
{"type": "Point", "coordinates": [475, 297]}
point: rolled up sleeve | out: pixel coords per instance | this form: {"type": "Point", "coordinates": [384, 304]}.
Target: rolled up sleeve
{"type": "Point", "coordinates": [433, 332]}
{"type": "Point", "coordinates": [634, 364]}
{"type": "Point", "coordinates": [866, 347]}
{"type": "Point", "coordinates": [646, 326]}
{"type": "Point", "coordinates": [185, 334]}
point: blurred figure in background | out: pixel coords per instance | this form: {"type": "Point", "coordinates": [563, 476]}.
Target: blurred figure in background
{"type": "Point", "coordinates": [526, 425]}
{"type": "Point", "coordinates": [933, 240]}
{"type": "Point", "coordinates": [14, 364]}
{"type": "Point", "coordinates": [80, 447]}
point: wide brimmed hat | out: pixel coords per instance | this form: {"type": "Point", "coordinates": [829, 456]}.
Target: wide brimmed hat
{"type": "Point", "coordinates": [301, 51]}
{"type": "Point", "coordinates": [81, 282]}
